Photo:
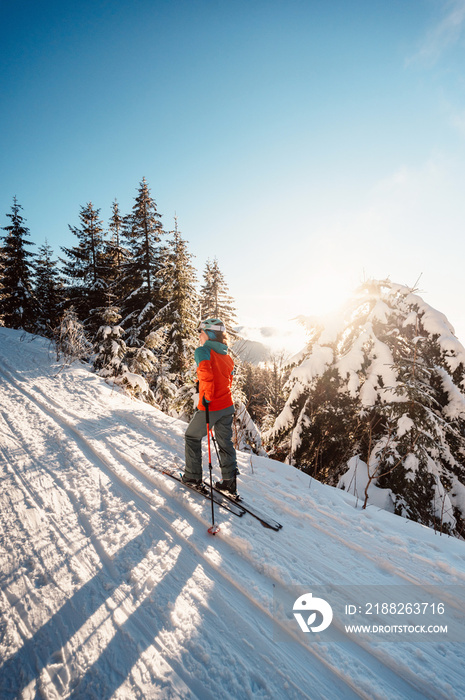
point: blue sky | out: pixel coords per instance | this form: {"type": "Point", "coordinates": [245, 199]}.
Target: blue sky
{"type": "Point", "coordinates": [307, 145]}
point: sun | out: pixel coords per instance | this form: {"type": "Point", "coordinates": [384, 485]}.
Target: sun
{"type": "Point", "coordinates": [272, 319]}
{"type": "Point", "coordinates": [323, 294]}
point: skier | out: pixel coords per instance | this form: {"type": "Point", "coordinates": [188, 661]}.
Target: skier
{"type": "Point", "coordinates": [215, 374]}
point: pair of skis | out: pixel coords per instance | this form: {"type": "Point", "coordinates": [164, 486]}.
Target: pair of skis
{"type": "Point", "coordinates": [264, 519]}
{"type": "Point", "coordinates": [233, 504]}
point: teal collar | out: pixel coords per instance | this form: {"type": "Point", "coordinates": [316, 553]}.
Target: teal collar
{"type": "Point", "coordinates": [216, 346]}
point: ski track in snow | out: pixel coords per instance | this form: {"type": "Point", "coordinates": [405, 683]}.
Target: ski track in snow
{"type": "Point", "coordinates": [111, 588]}
{"type": "Point", "coordinates": [85, 448]}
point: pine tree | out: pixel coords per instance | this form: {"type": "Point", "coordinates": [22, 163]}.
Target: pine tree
{"type": "Point", "coordinates": [215, 300]}
{"type": "Point", "coordinates": [174, 376]}
{"type": "Point", "coordinates": [109, 346]}
{"type": "Point", "coordinates": [180, 313]}
{"type": "Point", "coordinates": [142, 271]}
{"type": "Point", "coordinates": [141, 362]}
{"type": "Point", "coordinates": [263, 386]}
{"type": "Point", "coordinates": [276, 373]}
{"type": "Point", "coordinates": [18, 306]}
{"type": "Point", "coordinates": [380, 402]}
{"type": "Point", "coordinates": [71, 341]}
{"type": "Point", "coordinates": [85, 267]}
{"type": "Point", "coordinates": [116, 228]}
{"type": "Point", "coordinates": [115, 254]}
{"type": "Point", "coordinates": [1, 285]}
{"type": "Point", "coordinates": [49, 290]}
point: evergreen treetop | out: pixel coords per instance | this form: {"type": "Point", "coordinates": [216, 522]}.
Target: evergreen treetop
{"type": "Point", "coordinates": [85, 267]}
{"type": "Point", "coordinates": [115, 254]}
{"type": "Point", "coordinates": [116, 225]}
{"type": "Point", "coordinates": [215, 300]}
{"type": "Point", "coordinates": [17, 302]}
{"type": "Point", "coordinates": [180, 313]}
{"type": "Point", "coordinates": [85, 260]}
{"type": "Point", "coordinates": [142, 270]}
{"type": "Point", "coordinates": [49, 290]}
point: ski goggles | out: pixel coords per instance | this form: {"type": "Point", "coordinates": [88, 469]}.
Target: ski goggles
{"type": "Point", "coordinates": [209, 327]}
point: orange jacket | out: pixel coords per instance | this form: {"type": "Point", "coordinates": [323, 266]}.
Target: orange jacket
{"type": "Point", "coordinates": [215, 373]}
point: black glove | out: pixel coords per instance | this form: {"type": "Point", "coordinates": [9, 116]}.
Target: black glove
{"type": "Point", "coordinates": [205, 402]}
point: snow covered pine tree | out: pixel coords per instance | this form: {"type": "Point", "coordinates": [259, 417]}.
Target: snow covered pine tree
{"type": "Point", "coordinates": [377, 407]}
{"type": "Point", "coordinates": [115, 254]}
{"type": "Point", "coordinates": [48, 290]}
{"type": "Point", "coordinates": [18, 307]}
{"type": "Point", "coordinates": [109, 347]}
{"type": "Point", "coordinates": [85, 267]}
{"type": "Point", "coordinates": [70, 339]}
{"type": "Point", "coordinates": [175, 375]}
{"type": "Point", "coordinates": [215, 299]}
{"type": "Point", "coordinates": [142, 269]}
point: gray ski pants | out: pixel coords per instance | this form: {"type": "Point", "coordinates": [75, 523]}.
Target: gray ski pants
{"type": "Point", "coordinates": [197, 429]}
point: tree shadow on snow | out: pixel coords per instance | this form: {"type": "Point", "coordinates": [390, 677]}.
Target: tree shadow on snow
{"type": "Point", "coordinates": [42, 653]}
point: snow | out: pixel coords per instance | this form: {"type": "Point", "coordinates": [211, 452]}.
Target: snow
{"type": "Point", "coordinates": [105, 331]}
{"type": "Point", "coordinates": [110, 586]}
{"type": "Point", "coordinates": [411, 466]}
{"type": "Point", "coordinates": [404, 424]}
{"type": "Point", "coordinates": [356, 480]}
{"type": "Point", "coordinates": [435, 323]}
{"type": "Point", "coordinates": [456, 406]}
{"type": "Point", "coordinates": [313, 366]}
{"type": "Point", "coordinates": [136, 381]}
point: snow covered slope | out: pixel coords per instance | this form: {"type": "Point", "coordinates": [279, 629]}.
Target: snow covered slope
{"type": "Point", "coordinates": [112, 588]}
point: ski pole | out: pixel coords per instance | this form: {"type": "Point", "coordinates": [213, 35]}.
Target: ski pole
{"type": "Point", "coordinates": [214, 528]}
{"type": "Point", "coordinates": [215, 444]}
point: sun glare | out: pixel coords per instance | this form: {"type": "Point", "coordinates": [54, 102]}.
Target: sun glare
{"type": "Point", "coordinates": [273, 321]}
{"type": "Point", "coordinates": [323, 294]}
